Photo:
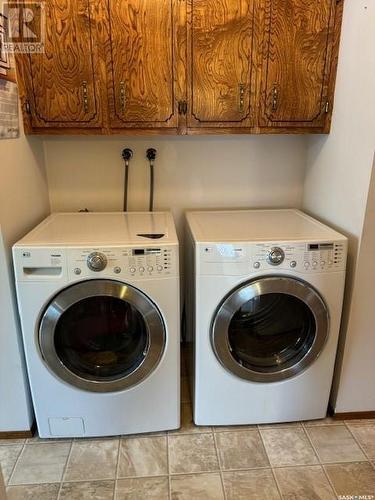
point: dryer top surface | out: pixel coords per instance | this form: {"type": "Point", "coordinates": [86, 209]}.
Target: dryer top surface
{"type": "Point", "coordinates": [146, 229]}
{"type": "Point", "coordinates": [258, 225]}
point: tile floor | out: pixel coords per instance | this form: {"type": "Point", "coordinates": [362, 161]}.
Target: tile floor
{"type": "Point", "coordinates": [296, 461]}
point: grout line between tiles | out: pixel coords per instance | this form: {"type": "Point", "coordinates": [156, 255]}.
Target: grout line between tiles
{"type": "Point", "coordinates": [168, 470]}
{"type": "Point", "coordinates": [64, 470]}
{"type": "Point", "coordinates": [269, 461]}
{"type": "Point", "coordinates": [220, 467]}
{"type": "Point", "coordinates": [7, 483]}
{"type": "Point", "coordinates": [117, 468]}
{"type": "Point", "coordinates": [359, 444]}
{"type": "Point", "coordinates": [321, 463]}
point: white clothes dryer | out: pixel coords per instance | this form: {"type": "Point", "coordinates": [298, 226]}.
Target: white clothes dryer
{"type": "Point", "coordinates": [264, 299]}
{"type": "Point", "coordinates": [98, 297]}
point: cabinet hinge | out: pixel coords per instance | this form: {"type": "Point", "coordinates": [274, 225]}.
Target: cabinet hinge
{"type": "Point", "coordinates": [182, 107]}
{"type": "Point", "coordinates": [326, 109]}
{"type": "Point", "coordinates": [27, 107]}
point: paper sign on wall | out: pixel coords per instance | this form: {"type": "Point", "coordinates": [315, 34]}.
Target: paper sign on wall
{"type": "Point", "coordinates": [9, 119]}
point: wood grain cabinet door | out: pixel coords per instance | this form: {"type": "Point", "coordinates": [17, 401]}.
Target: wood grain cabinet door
{"type": "Point", "coordinates": [142, 63]}
{"type": "Point", "coordinates": [60, 86]}
{"type": "Point", "coordinates": [220, 42]}
{"type": "Point", "coordinates": [298, 41]}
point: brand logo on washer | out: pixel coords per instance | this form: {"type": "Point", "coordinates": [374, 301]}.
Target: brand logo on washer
{"type": "Point", "coordinates": [26, 254]}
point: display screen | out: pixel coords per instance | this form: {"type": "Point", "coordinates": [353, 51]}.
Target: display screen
{"type": "Point", "coordinates": [147, 251]}
{"type": "Point", "coordinates": [321, 246]}
{"type": "Point", "coordinates": [138, 251]}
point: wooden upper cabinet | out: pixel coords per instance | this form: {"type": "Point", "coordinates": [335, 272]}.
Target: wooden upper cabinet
{"type": "Point", "coordinates": [142, 63]}
{"type": "Point", "coordinates": [296, 62]}
{"type": "Point", "coordinates": [220, 41]}
{"type": "Point", "coordinates": [182, 66]}
{"type": "Point", "coordinates": [60, 86]}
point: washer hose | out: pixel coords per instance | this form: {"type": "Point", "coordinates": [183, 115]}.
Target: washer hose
{"type": "Point", "coordinates": [127, 155]}
{"type": "Point", "coordinates": [151, 156]}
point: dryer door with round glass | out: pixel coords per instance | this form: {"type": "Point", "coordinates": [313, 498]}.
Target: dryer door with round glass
{"type": "Point", "coordinates": [270, 329]}
{"type": "Point", "coordinates": [101, 336]}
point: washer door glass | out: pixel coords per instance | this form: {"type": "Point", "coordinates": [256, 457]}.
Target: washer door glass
{"type": "Point", "coordinates": [270, 329]}
{"type": "Point", "coordinates": [101, 335]}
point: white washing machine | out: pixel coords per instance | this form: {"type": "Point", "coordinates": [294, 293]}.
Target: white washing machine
{"type": "Point", "coordinates": [264, 299]}
{"type": "Point", "coordinates": [98, 298]}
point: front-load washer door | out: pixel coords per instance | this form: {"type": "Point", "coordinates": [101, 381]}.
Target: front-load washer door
{"type": "Point", "coordinates": [101, 335]}
{"type": "Point", "coordinates": [270, 329]}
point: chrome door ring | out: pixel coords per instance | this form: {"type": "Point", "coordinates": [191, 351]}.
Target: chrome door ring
{"type": "Point", "coordinates": [95, 288]}
{"type": "Point", "coordinates": [262, 286]}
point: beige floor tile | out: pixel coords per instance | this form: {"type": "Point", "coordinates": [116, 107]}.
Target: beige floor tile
{"type": "Point", "coordinates": [33, 492]}
{"type": "Point", "coordinates": [2, 485]}
{"type": "Point", "coordinates": [8, 458]}
{"type": "Point", "coordinates": [187, 424]}
{"type": "Point", "coordinates": [232, 428]}
{"type": "Point", "coordinates": [360, 421]}
{"type": "Point", "coordinates": [352, 479]}
{"type": "Point", "coordinates": [197, 487]}
{"type": "Point", "coordinates": [143, 457]}
{"type": "Point", "coordinates": [38, 440]}
{"type": "Point", "coordinates": [192, 453]}
{"type": "Point", "coordinates": [153, 488]}
{"type": "Point", "coordinates": [307, 483]}
{"type": "Point", "coordinates": [241, 450]}
{"type": "Point", "coordinates": [90, 460]}
{"type": "Point", "coordinates": [250, 484]}
{"type": "Point", "coordinates": [87, 490]}
{"type": "Point", "coordinates": [365, 436]}
{"type": "Point", "coordinates": [42, 463]}
{"type": "Point", "coordinates": [323, 421]}
{"type": "Point", "coordinates": [185, 390]}
{"type": "Point", "coordinates": [288, 447]}
{"type": "Point", "coordinates": [7, 442]}
{"type": "Point", "coordinates": [282, 425]}
{"type": "Point", "coordinates": [335, 444]}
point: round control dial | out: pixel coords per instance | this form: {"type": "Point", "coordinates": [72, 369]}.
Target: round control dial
{"type": "Point", "coordinates": [96, 261]}
{"type": "Point", "coordinates": [276, 256]}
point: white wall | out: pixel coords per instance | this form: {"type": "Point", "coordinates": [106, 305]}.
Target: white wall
{"type": "Point", "coordinates": [191, 172]}
{"type": "Point", "coordinates": [337, 181]}
{"type": "Point", "coordinates": [357, 382]}
{"type": "Point", "coordinates": [23, 203]}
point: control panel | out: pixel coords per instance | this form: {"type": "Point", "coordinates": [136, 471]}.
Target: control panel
{"type": "Point", "coordinates": [302, 257]}
{"type": "Point", "coordinates": [297, 256]}
{"type": "Point", "coordinates": [140, 262]}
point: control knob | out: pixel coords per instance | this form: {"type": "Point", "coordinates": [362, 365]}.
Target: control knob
{"type": "Point", "coordinates": [276, 256]}
{"type": "Point", "coordinates": [96, 261]}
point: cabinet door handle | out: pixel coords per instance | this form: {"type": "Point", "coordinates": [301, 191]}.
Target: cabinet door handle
{"type": "Point", "coordinates": [275, 98]}
{"type": "Point", "coordinates": [241, 97]}
{"type": "Point", "coordinates": [85, 96]}
{"type": "Point", "coordinates": [122, 97]}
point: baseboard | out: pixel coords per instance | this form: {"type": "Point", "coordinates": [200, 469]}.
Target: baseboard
{"type": "Point", "coordinates": [19, 434]}
{"type": "Point", "coordinates": [352, 415]}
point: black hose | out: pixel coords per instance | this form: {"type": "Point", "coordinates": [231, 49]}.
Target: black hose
{"type": "Point", "coordinates": [151, 206]}
{"type": "Point", "coordinates": [127, 155]}
{"type": "Point", "coordinates": [151, 156]}
{"type": "Point", "coordinates": [126, 183]}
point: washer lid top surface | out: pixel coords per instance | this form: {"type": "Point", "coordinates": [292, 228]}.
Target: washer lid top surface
{"type": "Point", "coordinates": [100, 229]}
{"type": "Point", "coordinates": [258, 225]}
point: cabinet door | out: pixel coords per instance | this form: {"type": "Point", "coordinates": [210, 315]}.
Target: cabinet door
{"type": "Point", "coordinates": [60, 85]}
{"type": "Point", "coordinates": [220, 41]}
{"type": "Point", "coordinates": [296, 62]}
{"type": "Point", "coordinates": [142, 55]}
